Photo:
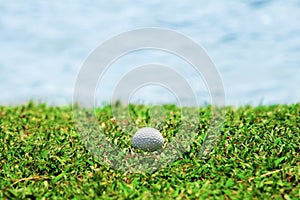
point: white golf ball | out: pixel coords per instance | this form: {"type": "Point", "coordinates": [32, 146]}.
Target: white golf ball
{"type": "Point", "coordinates": [148, 139]}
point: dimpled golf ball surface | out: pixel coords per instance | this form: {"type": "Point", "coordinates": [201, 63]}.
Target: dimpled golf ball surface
{"type": "Point", "coordinates": [148, 138]}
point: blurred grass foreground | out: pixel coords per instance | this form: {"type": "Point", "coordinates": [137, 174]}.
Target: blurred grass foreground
{"type": "Point", "coordinates": [256, 157]}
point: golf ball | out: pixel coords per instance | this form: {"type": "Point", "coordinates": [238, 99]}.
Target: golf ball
{"type": "Point", "coordinates": [148, 138]}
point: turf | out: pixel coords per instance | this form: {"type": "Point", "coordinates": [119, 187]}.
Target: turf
{"type": "Point", "coordinates": [256, 157]}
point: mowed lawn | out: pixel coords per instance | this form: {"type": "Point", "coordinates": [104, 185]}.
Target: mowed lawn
{"type": "Point", "coordinates": [257, 156]}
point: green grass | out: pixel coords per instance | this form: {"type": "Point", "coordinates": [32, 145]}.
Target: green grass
{"type": "Point", "coordinates": [257, 156]}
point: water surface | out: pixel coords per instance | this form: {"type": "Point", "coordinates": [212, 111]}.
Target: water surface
{"type": "Point", "coordinates": [255, 45]}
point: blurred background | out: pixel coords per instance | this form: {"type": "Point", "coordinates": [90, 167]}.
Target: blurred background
{"type": "Point", "coordinates": [255, 44]}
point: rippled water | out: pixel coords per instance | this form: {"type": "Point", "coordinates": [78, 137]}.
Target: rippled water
{"type": "Point", "coordinates": [254, 44]}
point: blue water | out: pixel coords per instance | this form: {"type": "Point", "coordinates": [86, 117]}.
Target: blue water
{"type": "Point", "coordinates": [255, 45]}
